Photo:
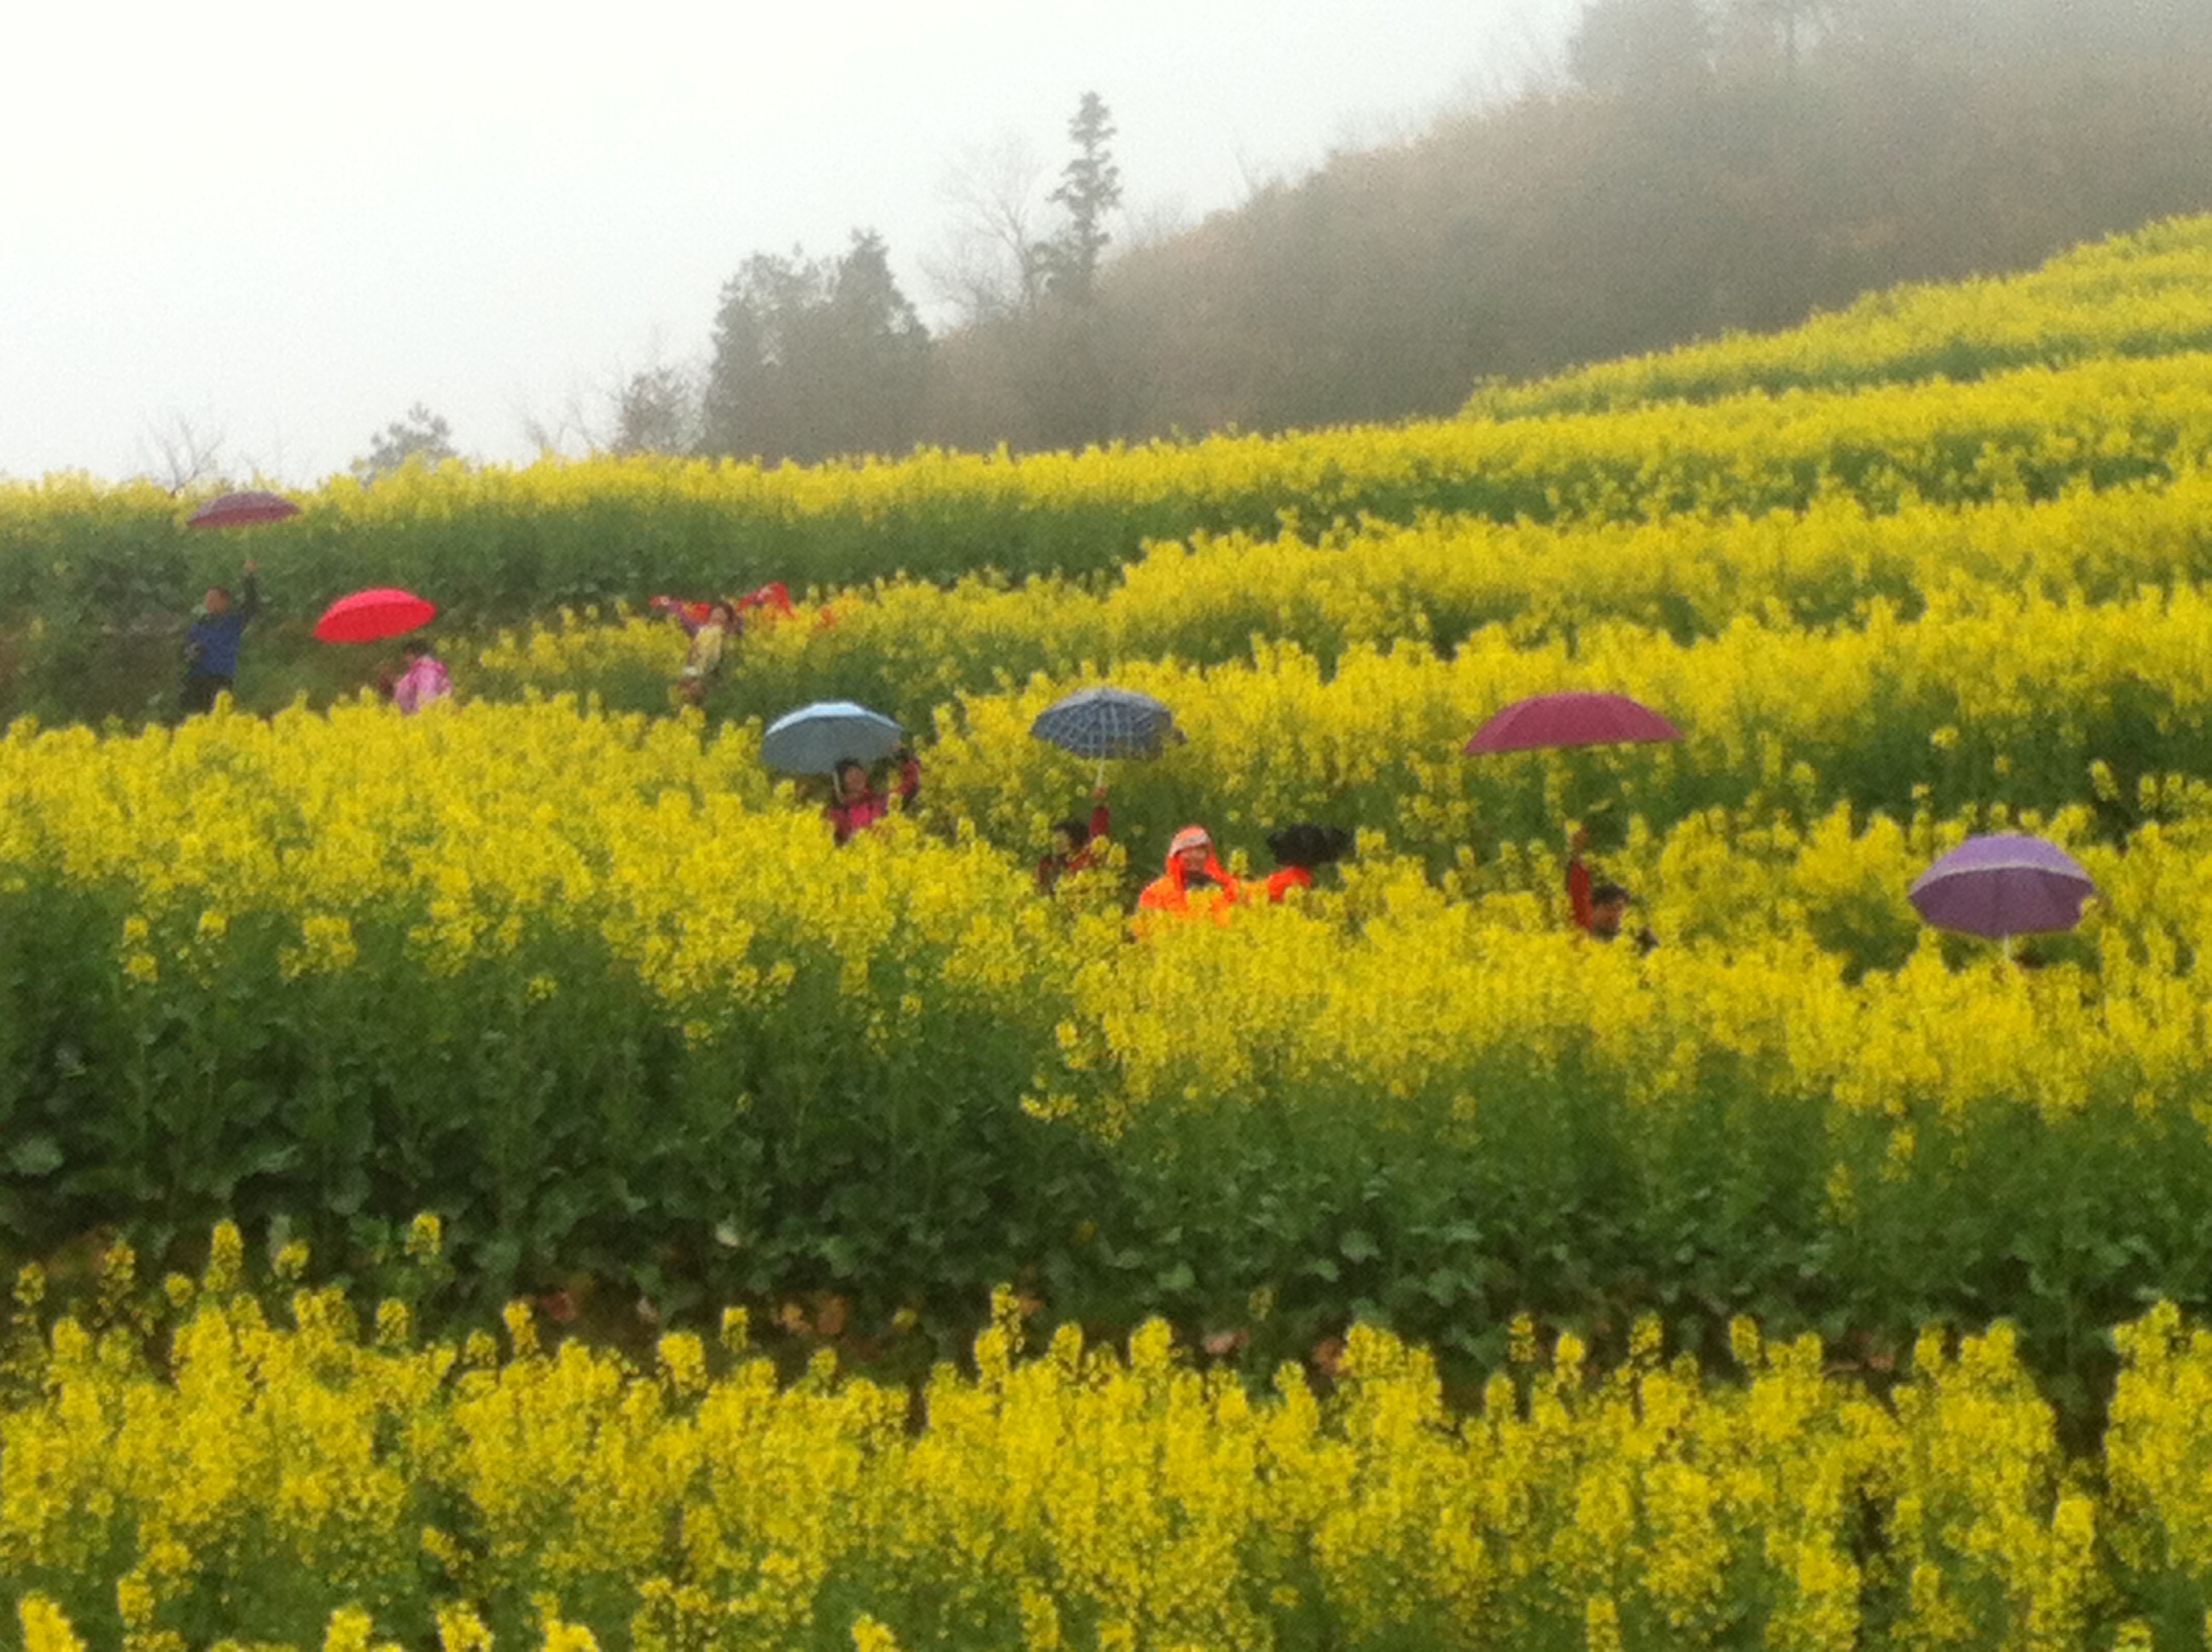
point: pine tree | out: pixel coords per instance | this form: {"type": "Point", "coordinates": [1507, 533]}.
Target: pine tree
{"type": "Point", "coordinates": [1089, 188]}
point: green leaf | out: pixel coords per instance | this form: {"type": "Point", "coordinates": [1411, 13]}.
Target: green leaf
{"type": "Point", "coordinates": [271, 1158]}
{"type": "Point", "coordinates": [1358, 1246]}
{"type": "Point", "coordinates": [35, 1156]}
{"type": "Point", "coordinates": [350, 1192]}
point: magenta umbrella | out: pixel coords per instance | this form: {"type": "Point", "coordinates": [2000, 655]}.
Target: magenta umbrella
{"type": "Point", "coordinates": [2004, 884]}
{"type": "Point", "coordinates": [240, 510]}
{"type": "Point", "coordinates": [1571, 718]}
{"type": "Point", "coordinates": [369, 616]}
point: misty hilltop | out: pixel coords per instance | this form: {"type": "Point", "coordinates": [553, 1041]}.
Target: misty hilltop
{"type": "Point", "coordinates": [1697, 167]}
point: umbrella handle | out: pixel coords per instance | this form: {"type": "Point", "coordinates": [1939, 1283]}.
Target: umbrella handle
{"type": "Point", "coordinates": [1100, 779]}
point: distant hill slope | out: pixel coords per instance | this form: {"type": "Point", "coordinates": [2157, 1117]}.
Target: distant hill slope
{"type": "Point", "coordinates": [1591, 223]}
{"type": "Point", "coordinates": [2093, 374]}
{"type": "Point", "coordinates": [2148, 293]}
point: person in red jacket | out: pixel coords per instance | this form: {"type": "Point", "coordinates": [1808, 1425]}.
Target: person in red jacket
{"type": "Point", "coordinates": [1076, 843]}
{"type": "Point", "coordinates": [774, 599]}
{"type": "Point", "coordinates": [856, 804]}
{"type": "Point", "coordinates": [1193, 882]}
{"type": "Point", "coordinates": [1579, 907]}
{"type": "Point", "coordinates": [1598, 909]}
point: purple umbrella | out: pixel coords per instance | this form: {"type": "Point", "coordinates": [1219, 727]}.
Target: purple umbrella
{"type": "Point", "coordinates": [239, 510]}
{"type": "Point", "coordinates": [1577, 717]}
{"type": "Point", "coordinates": [2007, 884]}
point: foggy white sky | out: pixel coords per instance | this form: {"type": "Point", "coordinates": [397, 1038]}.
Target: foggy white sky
{"type": "Point", "coordinates": [285, 223]}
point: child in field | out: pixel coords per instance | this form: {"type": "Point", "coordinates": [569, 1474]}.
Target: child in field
{"type": "Point", "coordinates": [1076, 843]}
{"type": "Point", "coordinates": [1608, 909]}
{"type": "Point", "coordinates": [423, 680]}
{"type": "Point", "coordinates": [709, 642]}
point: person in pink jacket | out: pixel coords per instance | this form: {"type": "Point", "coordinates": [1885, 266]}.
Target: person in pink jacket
{"type": "Point", "coordinates": [856, 804]}
{"type": "Point", "coordinates": [423, 681]}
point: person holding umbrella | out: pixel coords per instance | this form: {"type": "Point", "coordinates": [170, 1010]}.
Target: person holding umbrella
{"type": "Point", "coordinates": [1597, 909]}
{"type": "Point", "coordinates": [211, 643]}
{"type": "Point", "coordinates": [1581, 909]}
{"type": "Point", "coordinates": [380, 611]}
{"type": "Point", "coordinates": [1194, 880]}
{"type": "Point", "coordinates": [856, 804]}
{"type": "Point", "coordinates": [839, 738]}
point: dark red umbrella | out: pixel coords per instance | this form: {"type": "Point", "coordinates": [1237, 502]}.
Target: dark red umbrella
{"type": "Point", "coordinates": [368, 615]}
{"type": "Point", "coordinates": [1577, 717]}
{"type": "Point", "coordinates": [240, 510]}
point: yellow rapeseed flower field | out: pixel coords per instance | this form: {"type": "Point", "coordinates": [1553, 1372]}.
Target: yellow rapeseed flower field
{"type": "Point", "coordinates": [1446, 1276]}
{"type": "Point", "coordinates": [286, 1481]}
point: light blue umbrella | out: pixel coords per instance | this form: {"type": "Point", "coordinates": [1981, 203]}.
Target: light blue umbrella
{"type": "Point", "coordinates": [1107, 722]}
{"type": "Point", "coordinates": [816, 738]}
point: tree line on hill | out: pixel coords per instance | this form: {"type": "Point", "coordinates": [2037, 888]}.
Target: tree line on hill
{"type": "Point", "coordinates": [1702, 165]}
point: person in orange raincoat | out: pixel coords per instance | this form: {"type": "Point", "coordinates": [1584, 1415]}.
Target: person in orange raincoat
{"type": "Point", "coordinates": [1195, 882]}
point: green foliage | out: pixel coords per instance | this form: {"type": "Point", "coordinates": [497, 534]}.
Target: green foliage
{"type": "Point", "coordinates": [422, 437]}
{"type": "Point", "coordinates": [816, 358]}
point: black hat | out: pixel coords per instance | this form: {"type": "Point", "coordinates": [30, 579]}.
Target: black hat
{"type": "Point", "coordinates": [1308, 845]}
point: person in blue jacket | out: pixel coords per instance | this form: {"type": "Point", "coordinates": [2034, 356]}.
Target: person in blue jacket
{"type": "Point", "coordinates": [211, 645]}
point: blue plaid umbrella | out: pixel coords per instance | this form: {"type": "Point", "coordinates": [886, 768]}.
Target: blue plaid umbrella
{"type": "Point", "coordinates": [816, 738]}
{"type": "Point", "coordinates": [1107, 722]}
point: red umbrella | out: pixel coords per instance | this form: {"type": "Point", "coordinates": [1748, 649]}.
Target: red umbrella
{"type": "Point", "coordinates": [242, 510]}
{"type": "Point", "coordinates": [366, 615]}
{"type": "Point", "coordinates": [1575, 717]}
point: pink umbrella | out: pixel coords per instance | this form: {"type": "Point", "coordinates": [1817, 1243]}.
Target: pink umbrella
{"type": "Point", "coordinates": [1577, 717]}
{"type": "Point", "coordinates": [368, 615]}
{"type": "Point", "coordinates": [240, 510]}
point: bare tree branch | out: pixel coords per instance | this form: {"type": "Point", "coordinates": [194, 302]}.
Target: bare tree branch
{"type": "Point", "coordinates": [988, 266]}
{"type": "Point", "coordinates": [179, 454]}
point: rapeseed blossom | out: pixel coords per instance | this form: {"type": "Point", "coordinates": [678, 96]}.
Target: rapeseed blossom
{"type": "Point", "coordinates": [266, 1479]}
{"type": "Point", "coordinates": [576, 966]}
